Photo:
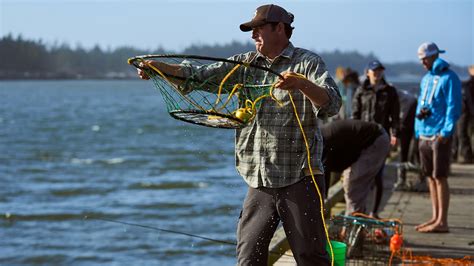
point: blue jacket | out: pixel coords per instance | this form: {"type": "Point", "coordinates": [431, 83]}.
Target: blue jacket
{"type": "Point", "coordinates": [446, 102]}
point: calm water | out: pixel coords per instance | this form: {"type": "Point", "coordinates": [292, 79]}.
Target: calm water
{"type": "Point", "coordinates": [74, 150]}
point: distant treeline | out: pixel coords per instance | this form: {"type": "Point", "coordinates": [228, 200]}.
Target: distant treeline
{"type": "Point", "coordinates": [30, 59]}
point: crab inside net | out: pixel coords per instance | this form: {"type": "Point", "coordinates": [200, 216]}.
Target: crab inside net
{"type": "Point", "coordinates": [213, 92]}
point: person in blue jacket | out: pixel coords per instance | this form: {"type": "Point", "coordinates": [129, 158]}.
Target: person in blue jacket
{"type": "Point", "coordinates": [438, 109]}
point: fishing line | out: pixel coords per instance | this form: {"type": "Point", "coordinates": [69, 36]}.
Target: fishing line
{"type": "Point", "coordinates": [173, 232]}
{"type": "Point", "coordinates": [162, 230]}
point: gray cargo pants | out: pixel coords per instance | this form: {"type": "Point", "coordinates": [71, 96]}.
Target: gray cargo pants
{"type": "Point", "coordinates": [298, 207]}
{"type": "Point", "coordinates": [358, 179]}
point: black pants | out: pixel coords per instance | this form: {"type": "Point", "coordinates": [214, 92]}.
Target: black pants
{"type": "Point", "coordinates": [406, 135]}
{"type": "Point", "coordinates": [378, 188]}
{"type": "Point", "coordinates": [462, 140]}
{"type": "Point", "coordinates": [298, 207]}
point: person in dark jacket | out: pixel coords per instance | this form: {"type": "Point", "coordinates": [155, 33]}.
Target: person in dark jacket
{"type": "Point", "coordinates": [407, 128]}
{"type": "Point", "coordinates": [377, 101]}
{"type": "Point", "coordinates": [461, 138]}
{"type": "Point", "coordinates": [358, 149]}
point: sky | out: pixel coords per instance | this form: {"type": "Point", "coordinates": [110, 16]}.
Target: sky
{"type": "Point", "coordinates": [390, 29]}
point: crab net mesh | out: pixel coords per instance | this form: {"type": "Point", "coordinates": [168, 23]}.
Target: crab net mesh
{"type": "Point", "coordinates": [367, 240]}
{"type": "Point", "coordinates": [208, 91]}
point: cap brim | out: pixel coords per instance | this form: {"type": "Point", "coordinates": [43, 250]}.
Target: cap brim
{"type": "Point", "coordinates": [425, 55]}
{"type": "Point", "coordinates": [248, 26]}
{"type": "Point", "coordinates": [377, 67]}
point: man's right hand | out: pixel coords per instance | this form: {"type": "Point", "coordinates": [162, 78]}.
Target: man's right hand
{"type": "Point", "coordinates": [442, 139]}
{"type": "Point", "coordinates": [141, 66]}
{"type": "Point", "coordinates": [165, 70]}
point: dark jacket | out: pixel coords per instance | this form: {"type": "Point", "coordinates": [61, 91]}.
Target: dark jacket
{"type": "Point", "coordinates": [344, 140]}
{"type": "Point", "coordinates": [408, 104]}
{"type": "Point", "coordinates": [380, 106]}
{"type": "Point", "coordinates": [468, 96]}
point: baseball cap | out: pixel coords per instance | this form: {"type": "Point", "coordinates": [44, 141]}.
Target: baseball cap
{"type": "Point", "coordinates": [428, 49]}
{"type": "Point", "coordinates": [373, 65]}
{"type": "Point", "coordinates": [266, 14]}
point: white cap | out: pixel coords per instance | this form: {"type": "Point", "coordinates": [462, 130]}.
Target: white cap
{"type": "Point", "coordinates": [428, 49]}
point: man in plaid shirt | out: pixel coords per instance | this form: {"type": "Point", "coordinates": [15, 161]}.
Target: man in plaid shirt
{"type": "Point", "coordinates": [270, 151]}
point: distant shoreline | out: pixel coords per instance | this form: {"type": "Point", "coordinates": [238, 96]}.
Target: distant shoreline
{"type": "Point", "coordinates": [33, 60]}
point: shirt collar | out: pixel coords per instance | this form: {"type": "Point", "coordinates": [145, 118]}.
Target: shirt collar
{"type": "Point", "coordinates": [287, 52]}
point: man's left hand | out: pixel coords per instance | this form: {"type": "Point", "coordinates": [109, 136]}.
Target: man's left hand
{"type": "Point", "coordinates": [290, 81]}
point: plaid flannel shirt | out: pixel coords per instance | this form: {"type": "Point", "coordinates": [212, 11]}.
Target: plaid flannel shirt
{"type": "Point", "coordinates": [270, 151]}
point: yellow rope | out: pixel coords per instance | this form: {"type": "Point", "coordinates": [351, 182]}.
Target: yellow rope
{"type": "Point", "coordinates": [236, 87]}
{"type": "Point", "coordinates": [250, 107]}
{"type": "Point", "coordinates": [227, 76]}
{"type": "Point", "coordinates": [308, 152]}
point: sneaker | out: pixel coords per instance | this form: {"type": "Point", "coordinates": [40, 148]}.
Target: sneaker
{"type": "Point", "coordinates": [401, 177]}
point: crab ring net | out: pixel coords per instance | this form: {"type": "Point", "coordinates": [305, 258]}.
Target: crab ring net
{"type": "Point", "coordinates": [208, 91]}
{"type": "Point", "coordinates": [366, 239]}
